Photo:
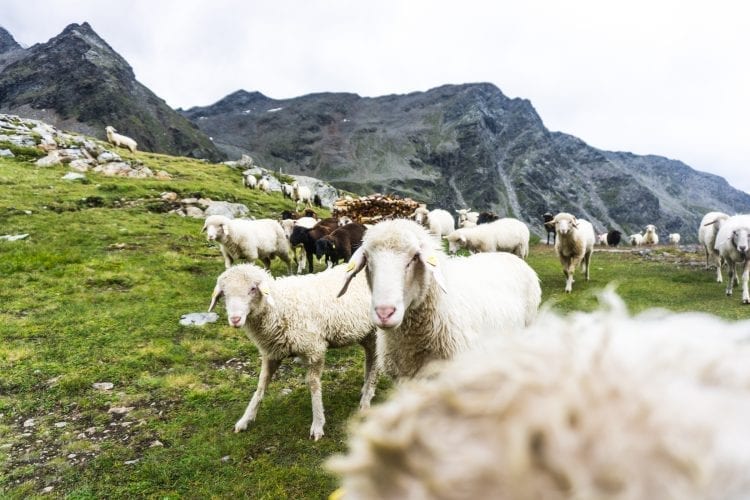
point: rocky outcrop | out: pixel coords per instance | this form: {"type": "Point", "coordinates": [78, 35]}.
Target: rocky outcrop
{"type": "Point", "coordinates": [464, 146]}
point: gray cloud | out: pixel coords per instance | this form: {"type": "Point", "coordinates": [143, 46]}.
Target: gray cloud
{"type": "Point", "coordinates": [664, 78]}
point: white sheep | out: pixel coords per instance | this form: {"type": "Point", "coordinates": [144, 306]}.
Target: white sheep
{"type": "Point", "coordinates": [592, 406]}
{"type": "Point", "coordinates": [440, 222]}
{"type": "Point", "coordinates": [602, 239]}
{"type": "Point", "coordinates": [636, 239]}
{"type": "Point", "coordinates": [264, 185]}
{"type": "Point", "coordinates": [733, 243]}
{"type": "Point", "coordinates": [250, 181]}
{"type": "Point", "coordinates": [466, 224]}
{"type": "Point", "coordinates": [344, 220]}
{"type": "Point", "coordinates": [301, 194]}
{"type": "Point", "coordinates": [710, 225]}
{"type": "Point", "coordinates": [674, 238]}
{"type": "Point", "coordinates": [298, 316]}
{"type": "Point", "coordinates": [574, 244]}
{"type": "Point", "coordinates": [248, 239]}
{"type": "Point", "coordinates": [466, 215]}
{"type": "Point", "coordinates": [431, 307]}
{"type": "Point", "coordinates": [503, 235]}
{"type": "Point", "coordinates": [649, 236]}
{"type": "Point", "coordinates": [120, 140]}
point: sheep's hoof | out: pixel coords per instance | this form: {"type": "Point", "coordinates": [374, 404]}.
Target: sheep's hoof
{"type": "Point", "coordinates": [240, 426]}
{"type": "Point", "coordinates": [316, 434]}
{"type": "Point", "coordinates": [746, 301]}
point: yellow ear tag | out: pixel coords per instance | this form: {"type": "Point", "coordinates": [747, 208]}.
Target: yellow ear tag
{"type": "Point", "coordinates": [337, 494]}
{"type": "Point", "coordinates": [350, 267]}
{"type": "Point", "coordinates": [264, 289]}
{"type": "Point", "coordinates": [432, 260]}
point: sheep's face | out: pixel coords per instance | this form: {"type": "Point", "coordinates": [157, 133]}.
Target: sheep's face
{"type": "Point", "coordinates": [215, 231]}
{"type": "Point", "coordinates": [242, 297]}
{"type": "Point", "coordinates": [563, 226]}
{"type": "Point", "coordinates": [741, 241]}
{"type": "Point", "coordinates": [323, 247]}
{"type": "Point", "coordinates": [420, 217]}
{"type": "Point", "coordinates": [456, 243]}
{"type": "Point", "coordinates": [650, 228]}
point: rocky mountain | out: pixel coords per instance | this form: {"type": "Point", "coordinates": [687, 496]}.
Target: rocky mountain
{"type": "Point", "coordinates": [76, 81]}
{"type": "Point", "coordinates": [465, 145]}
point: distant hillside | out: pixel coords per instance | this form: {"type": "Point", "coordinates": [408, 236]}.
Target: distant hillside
{"type": "Point", "coordinates": [76, 81]}
{"type": "Point", "coordinates": [465, 145]}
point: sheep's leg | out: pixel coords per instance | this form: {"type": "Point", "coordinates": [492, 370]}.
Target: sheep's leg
{"type": "Point", "coordinates": [745, 277]}
{"type": "Point", "coordinates": [568, 269]}
{"type": "Point", "coordinates": [314, 371]}
{"type": "Point", "coordinates": [719, 263]}
{"type": "Point", "coordinates": [301, 260]}
{"type": "Point", "coordinates": [731, 275]}
{"type": "Point", "coordinates": [587, 264]}
{"type": "Point", "coordinates": [227, 258]}
{"type": "Point", "coordinates": [267, 368]}
{"type": "Point", "coordinates": [371, 372]}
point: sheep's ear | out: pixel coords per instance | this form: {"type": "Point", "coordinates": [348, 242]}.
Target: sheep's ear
{"type": "Point", "coordinates": [205, 226]}
{"type": "Point", "coordinates": [462, 239]}
{"type": "Point", "coordinates": [215, 297]}
{"type": "Point", "coordinates": [574, 222]}
{"type": "Point", "coordinates": [356, 264]}
{"type": "Point", "coordinates": [265, 292]}
{"type": "Point", "coordinates": [431, 262]}
{"type": "Point", "coordinates": [224, 229]}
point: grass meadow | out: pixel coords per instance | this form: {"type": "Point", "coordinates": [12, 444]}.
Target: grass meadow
{"type": "Point", "coordinates": [95, 293]}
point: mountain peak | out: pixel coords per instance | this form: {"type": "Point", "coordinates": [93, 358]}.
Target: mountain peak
{"type": "Point", "coordinates": [7, 42]}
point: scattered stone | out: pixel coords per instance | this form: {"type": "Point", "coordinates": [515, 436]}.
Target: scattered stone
{"type": "Point", "coordinates": [286, 391]}
{"type": "Point", "coordinates": [198, 319]}
{"type": "Point", "coordinates": [170, 196]}
{"type": "Point", "coordinates": [231, 210]}
{"type": "Point", "coordinates": [226, 459]}
{"type": "Point", "coordinates": [80, 165]}
{"type": "Point", "coordinates": [6, 153]}
{"type": "Point", "coordinates": [103, 386]}
{"type": "Point", "coordinates": [120, 410]}
{"type": "Point", "coordinates": [52, 159]}
{"type": "Point", "coordinates": [14, 237]}
{"type": "Point", "coordinates": [73, 176]}
{"type": "Point", "coordinates": [194, 212]}
{"type": "Point", "coordinates": [108, 156]}
{"type": "Point", "coordinates": [30, 422]}
{"type": "Point", "coordinates": [156, 444]}
{"type": "Point", "coordinates": [132, 462]}
{"type": "Point", "coordinates": [60, 425]}
{"type": "Point", "coordinates": [47, 489]}
{"type": "Point", "coordinates": [71, 455]}
{"type": "Point", "coordinates": [163, 175]}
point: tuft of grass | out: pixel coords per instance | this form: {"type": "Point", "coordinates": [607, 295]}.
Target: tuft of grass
{"type": "Point", "coordinates": [95, 294]}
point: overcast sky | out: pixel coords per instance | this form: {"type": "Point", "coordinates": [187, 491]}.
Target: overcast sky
{"type": "Point", "coordinates": [670, 78]}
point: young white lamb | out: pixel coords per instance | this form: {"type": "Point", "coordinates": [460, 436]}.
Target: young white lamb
{"type": "Point", "coordinates": [710, 225]}
{"type": "Point", "coordinates": [674, 238]}
{"type": "Point", "coordinates": [503, 235]}
{"type": "Point", "coordinates": [440, 222]}
{"type": "Point", "coordinates": [264, 185]}
{"type": "Point", "coordinates": [301, 194]}
{"type": "Point", "coordinates": [431, 307]}
{"type": "Point", "coordinates": [595, 406]}
{"type": "Point", "coordinates": [250, 181]}
{"type": "Point", "coordinates": [298, 316]}
{"type": "Point", "coordinates": [466, 215]}
{"type": "Point", "coordinates": [733, 243]}
{"type": "Point", "coordinates": [574, 244]}
{"type": "Point", "coordinates": [649, 236]}
{"type": "Point", "coordinates": [248, 239]}
{"type": "Point", "coordinates": [636, 239]}
{"type": "Point", "coordinates": [118, 140]}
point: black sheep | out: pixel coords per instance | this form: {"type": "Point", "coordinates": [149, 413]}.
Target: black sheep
{"type": "Point", "coordinates": [613, 238]}
{"type": "Point", "coordinates": [549, 226]}
{"type": "Point", "coordinates": [341, 243]}
{"type": "Point", "coordinates": [485, 217]}
{"type": "Point", "coordinates": [307, 237]}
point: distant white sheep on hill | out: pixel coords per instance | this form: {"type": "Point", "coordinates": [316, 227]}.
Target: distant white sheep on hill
{"type": "Point", "coordinates": [120, 140]}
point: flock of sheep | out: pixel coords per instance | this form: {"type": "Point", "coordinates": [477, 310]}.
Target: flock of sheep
{"type": "Point", "coordinates": [494, 399]}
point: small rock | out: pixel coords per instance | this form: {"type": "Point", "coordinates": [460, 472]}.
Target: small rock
{"type": "Point", "coordinates": [6, 153]}
{"type": "Point", "coordinates": [108, 156]}
{"type": "Point", "coordinates": [60, 425]}
{"type": "Point", "coordinates": [163, 175]}
{"type": "Point", "coordinates": [73, 176]}
{"type": "Point", "coordinates": [120, 410]}
{"type": "Point", "coordinates": [226, 459]}
{"type": "Point", "coordinates": [198, 319]}
{"type": "Point", "coordinates": [103, 386]}
{"type": "Point", "coordinates": [90, 430]}
{"type": "Point", "coordinates": [169, 196]}
{"type": "Point", "coordinates": [131, 462]}
{"type": "Point", "coordinates": [80, 165]}
{"type": "Point", "coordinates": [71, 455]}
{"type": "Point", "coordinates": [47, 489]}
{"type": "Point", "coordinates": [14, 237]}
{"type": "Point", "coordinates": [155, 444]}
{"type": "Point", "coordinates": [285, 391]}
{"type": "Point", "coordinates": [52, 159]}
{"type": "Point", "coordinates": [194, 212]}
{"type": "Point", "coordinates": [30, 422]}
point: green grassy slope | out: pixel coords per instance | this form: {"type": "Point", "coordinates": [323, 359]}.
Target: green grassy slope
{"type": "Point", "coordinates": [95, 293]}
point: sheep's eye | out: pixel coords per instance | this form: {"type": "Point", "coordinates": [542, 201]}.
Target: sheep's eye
{"type": "Point", "coordinates": [413, 259]}
{"type": "Point", "coordinates": [253, 289]}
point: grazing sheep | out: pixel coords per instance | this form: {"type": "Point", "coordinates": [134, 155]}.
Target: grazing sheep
{"type": "Point", "coordinates": [733, 243]}
{"type": "Point", "coordinates": [636, 239]}
{"type": "Point", "coordinates": [301, 194]}
{"type": "Point", "coordinates": [614, 237]}
{"type": "Point", "coordinates": [248, 239]}
{"type": "Point", "coordinates": [298, 251]}
{"type": "Point", "coordinates": [466, 215]}
{"type": "Point", "coordinates": [466, 224]}
{"type": "Point", "coordinates": [486, 218]}
{"type": "Point", "coordinates": [649, 236]}
{"type": "Point", "coordinates": [601, 239]}
{"type": "Point", "coordinates": [710, 225]}
{"type": "Point", "coordinates": [674, 238]}
{"type": "Point", "coordinates": [594, 406]}
{"type": "Point", "coordinates": [503, 235]}
{"type": "Point", "coordinates": [340, 243]}
{"type": "Point", "coordinates": [286, 190]}
{"type": "Point", "coordinates": [431, 307]}
{"type": "Point", "coordinates": [264, 185]}
{"type": "Point", "coordinates": [440, 222]}
{"type": "Point", "coordinates": [307, 238]}
{"type": "Point", "coordinates": [292, 317]}
{"type": "Point", "coordinates": [118, 140]}
{"type": "Point", "coordinates": [250, 181]}
{"type": "Point", "coordinates": [574, 244]}
{"type": "Point", "coordinates": [549, 226]}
